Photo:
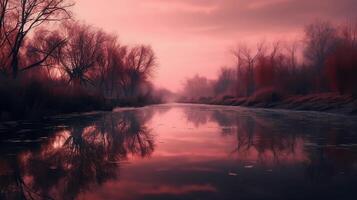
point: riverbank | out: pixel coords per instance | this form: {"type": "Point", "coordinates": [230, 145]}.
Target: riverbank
{"type": "Point", "coordinates": [35, 100]}
{"type": "Point", "coordinates": [326, 102]}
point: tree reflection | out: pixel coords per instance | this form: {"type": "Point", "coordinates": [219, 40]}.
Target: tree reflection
{"type": "Point", "coordinates": [84, 154]}
{"type": "Point", "coordinates": [197, 117]}
{"type": "Point", "coordinates": [277, 139]}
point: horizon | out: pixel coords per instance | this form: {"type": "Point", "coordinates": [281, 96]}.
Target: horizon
{"type": "Point", "coordinates": [184, 34]}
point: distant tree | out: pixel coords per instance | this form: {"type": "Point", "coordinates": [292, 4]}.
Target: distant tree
{"type": "Point", "coordinates": [342, 63]}
{"type": "Point", "coordinates": [197, 87]}
{"type": "Point", "coordinates": [320, 41]}
{"type": "Point", "coordinates": [237, 53]}
{"type": "Point", "coordinates": [247, 59]}
{"type": "Point", "coordinates": [225, 82]}
{"type": "Point", "coordinates": [267, 67]}
{"type": "Point", "coordinates": [292, 50]}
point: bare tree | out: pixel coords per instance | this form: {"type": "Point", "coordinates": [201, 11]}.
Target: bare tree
{"type": "Point", "coordinates": [237, 53]}
{"type": "Point", "coordinates": [4, 8]}
{"type": "Point", "coordinates": [291, 49]}
{"type": "Point", "coordinates": [142, 59]}
{"type": "Point", "coordinates": [320, 40]}
{"type": "Point", "coordinates": [4, 11]}
{"type": "Point", "coordinates": [43, 50]}
{"type": "Point", "coordinates": [111, 67]}
{"type": "Point", "coordinates": [225, 81]}
{"type": "Point", "coordinates": [82, 53]}
{"type": "Point", "coordinates": [140, 63]}
{"type": "Point", "coordinates": [247, 58]}
{"type": "Point", "coordinates": [348, 34]}
{"type": "Point", "coordinates": [28, 15]}
{"type": "Point", "coordinates": [275, 52]}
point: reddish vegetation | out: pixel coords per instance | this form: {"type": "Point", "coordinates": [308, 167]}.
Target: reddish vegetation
{"type": "Point", "coordinates": [69, 67]}
{"type": "Point", "coordinates": [327, 102]}
{"type": "Point", "coordinates": [272, 77]}
{"type": "Point", "coordinates": [342, 70]}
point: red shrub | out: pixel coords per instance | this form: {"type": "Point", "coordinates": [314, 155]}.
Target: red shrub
{"type": "Point", "coordinates": [342, 70]}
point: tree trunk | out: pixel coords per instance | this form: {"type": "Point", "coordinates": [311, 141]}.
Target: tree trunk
{"type": "Point", "coordinates": [15, 66]}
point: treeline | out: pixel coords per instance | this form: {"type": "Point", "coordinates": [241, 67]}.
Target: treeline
{"type": "Point", "coordinates": [51, 62]}
{"type": "Point", "coordinates": [323, 61]}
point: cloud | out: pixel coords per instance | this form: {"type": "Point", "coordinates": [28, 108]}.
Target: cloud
{"type": "Point", "coordinates": [192, 36]}
{"type": "Point", "coordinates": [221, 17]}
{"type": "Point", "coordinates": [250, 15]}
{"type": "Point", "coordinates": [178, 6]}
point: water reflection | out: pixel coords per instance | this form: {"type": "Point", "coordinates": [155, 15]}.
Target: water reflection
{"type": "Point", "coordinates": [181, 152]}
{"type": "Point", "coordinates": [83, 154]}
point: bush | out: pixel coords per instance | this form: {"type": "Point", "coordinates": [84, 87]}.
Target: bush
{"type": "Point", "coordinates": [266, 95]}
{"type": "Point", "coordinates": [34, 99]}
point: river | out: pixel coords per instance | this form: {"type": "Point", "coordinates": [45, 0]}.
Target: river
{"type": "Point", "coordinates": [181, 151]}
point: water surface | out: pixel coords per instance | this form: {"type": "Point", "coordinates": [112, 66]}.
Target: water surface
{"type": "Point", "coordinates": [181, 151]}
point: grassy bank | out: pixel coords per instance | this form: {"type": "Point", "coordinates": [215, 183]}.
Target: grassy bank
{"type": "Point", "coordinates": [324, 102]}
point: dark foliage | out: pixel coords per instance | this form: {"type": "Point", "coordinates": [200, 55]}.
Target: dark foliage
{"type": "Point", "coordinates": [70, 67]}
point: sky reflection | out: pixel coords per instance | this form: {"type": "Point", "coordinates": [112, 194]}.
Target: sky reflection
{"type": "Point", "coordinates": [182, 152]}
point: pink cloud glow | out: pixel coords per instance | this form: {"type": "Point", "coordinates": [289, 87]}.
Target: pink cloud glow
{"type": "Point", "coordinates": [193, 36]}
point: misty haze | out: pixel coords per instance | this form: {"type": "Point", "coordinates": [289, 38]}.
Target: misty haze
{"type": "Point", "coordinates": [178, 99]}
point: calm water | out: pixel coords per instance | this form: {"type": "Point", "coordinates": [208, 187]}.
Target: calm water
{"type": "Point", "coordinates": [181, 152]}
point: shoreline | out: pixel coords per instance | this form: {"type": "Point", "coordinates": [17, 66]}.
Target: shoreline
{"type": "Point", "coordinates": [48, 114]}
{"type": "Point", "coordinates": [325, 103]}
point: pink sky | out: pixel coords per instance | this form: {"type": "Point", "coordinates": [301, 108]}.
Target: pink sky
{"type": "Point", "coordinates": [194, 36]}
